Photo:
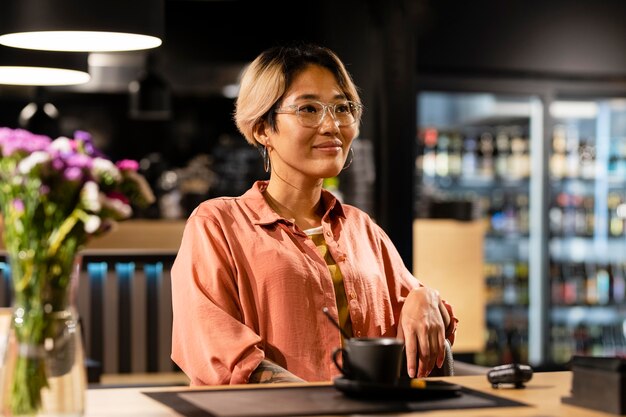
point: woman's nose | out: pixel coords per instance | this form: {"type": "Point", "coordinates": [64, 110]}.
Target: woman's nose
{"type": "Point", "coordinates": [329, 121]}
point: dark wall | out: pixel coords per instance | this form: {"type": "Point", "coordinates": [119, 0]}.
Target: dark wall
{"type": "Point", "coordinates": [566, 38]}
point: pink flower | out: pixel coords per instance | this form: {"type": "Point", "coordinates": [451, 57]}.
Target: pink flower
{"type": "Point", "coordinates": [114, 195]}
{"type": "Point", "coordinates": [127, 165]}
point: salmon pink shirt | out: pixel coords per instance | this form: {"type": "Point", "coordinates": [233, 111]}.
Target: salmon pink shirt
{"type": "Point", "coordinates": [248, 285]}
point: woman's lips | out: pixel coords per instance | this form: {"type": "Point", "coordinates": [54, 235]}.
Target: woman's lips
{"type": "Point", "coordinates": [329, 146]}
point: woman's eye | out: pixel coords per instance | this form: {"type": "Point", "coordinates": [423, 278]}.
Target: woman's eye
{"type": "Point", "coordinates": [342, 108]}
{"type": "Point", "coordinates": [309, 108]}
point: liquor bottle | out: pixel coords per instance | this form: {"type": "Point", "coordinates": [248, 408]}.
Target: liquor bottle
{"type": "Point", "coordinates": [557, 159]}
{"type": "Point", "coordinates": [523, 216]}
{"type": "Point", "coordinates": [521, 272]}
{"type": "Point", "coordinates": [519, 166]}
{"type": "Point", "coordinates": [590, 221]}
{"type": "Point", "coordinates": [562, 344]}
{"type": "Point", "coordinates": [574, 287]}
{"type": "Point", "coordinates": [603, 285]}
{"type": "Point", "coordinates": [469, 161]}
{"type": "Point", "coordinates": [496, 213]}
{"type": "Point", "coordinates": [493, 281]}
{"type": "Point", "coordinates": [429, 136]}
{"type": "Point", "coordinates": [510, 215]}
{"type": "Point", "coordinates": [555, 215]}
{"type": "Point", "coordinates": [455, 164]}
{"type": "Point", "coordinates": [442, 165]}
{"type": "Point", "coordinates": [587, 159]}
{"type": "Point", "coordinates": [502, 154]}
{"type": "Point", "coordinates": [616, 222]}
{"type": "Point", "coordinates": [571, 283]}
{"type": "Point", "coordinates": [486, 148]}
{"type": "Point", "coordinates": [580, 215]}
{"type": "Point", "coordinates": [510, 290]}
{"type": "Point", "coordinates": [591, 284]}
{"type": "Point", "coordinates": [492, 348]}
{"type": "Point", "coordinates": [619, 283]}
{"type": "Point", "coordinates": [556, 284]}
{"type": "Point", "coordinates": [572, 158]}
{"type": "Point", "coordinates": [566, 202]}
{"type": "Point", "coordinates": [582, 345]}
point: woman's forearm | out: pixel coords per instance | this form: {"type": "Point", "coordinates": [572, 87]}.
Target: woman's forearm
{"type": "Point", "coordinates": [268, 372]}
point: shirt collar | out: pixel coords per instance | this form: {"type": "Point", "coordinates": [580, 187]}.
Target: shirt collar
{"type": "Point", "coordinates": [260, 212]}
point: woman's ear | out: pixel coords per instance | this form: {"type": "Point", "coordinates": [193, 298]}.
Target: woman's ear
{"type": "Point", "coordinates": [260, 133]}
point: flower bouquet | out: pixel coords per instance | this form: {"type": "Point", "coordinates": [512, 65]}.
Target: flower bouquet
{"type": "Point", "coordinates": [54, 196]}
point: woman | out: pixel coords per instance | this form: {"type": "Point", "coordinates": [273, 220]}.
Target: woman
{"type": "Point", "coordinates": [254, 273]}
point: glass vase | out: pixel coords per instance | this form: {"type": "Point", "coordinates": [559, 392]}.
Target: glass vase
{"type": "Point", "coordinates": [43, 372]}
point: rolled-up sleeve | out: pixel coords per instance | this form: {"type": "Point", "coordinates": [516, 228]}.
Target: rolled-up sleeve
{"type": "Point", "coordinates": [210, 342]}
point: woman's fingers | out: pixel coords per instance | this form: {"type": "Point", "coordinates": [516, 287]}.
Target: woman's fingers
{"type": "Point", "coordinates": [423, 330]}
{"type": "Point", "coordinates": [411, 348]}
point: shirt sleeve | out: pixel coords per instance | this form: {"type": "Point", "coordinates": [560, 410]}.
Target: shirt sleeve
{"type": "Point", "coordinates": [210, 342]}
{"type": "Point", "coordinates": [451, 330]}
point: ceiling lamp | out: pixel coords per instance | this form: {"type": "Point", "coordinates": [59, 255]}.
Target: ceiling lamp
{"type": "Point", "coordinates": [82, 26]}
{"type": "Point", "coordinates": [43, 68]}
{"type": "Point", "coordinates": [40, 116]}
{"type": "Point", "coordinates": [150, 95]}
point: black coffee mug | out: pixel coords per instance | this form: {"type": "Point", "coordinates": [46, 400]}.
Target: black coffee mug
{"type": "Point", "coordinates": [374, 360]}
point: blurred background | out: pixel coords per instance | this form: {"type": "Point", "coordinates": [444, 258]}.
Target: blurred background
{"type": "Point", "coordinates": [495, 125]}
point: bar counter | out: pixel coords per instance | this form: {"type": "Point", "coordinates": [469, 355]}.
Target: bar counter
{"type": "Point", "coordinates": [543, 395]}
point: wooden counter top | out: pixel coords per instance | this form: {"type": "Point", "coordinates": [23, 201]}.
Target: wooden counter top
{"type": "Point", "coordinates": [543, 393]}
{"type": "Point", "coordinates": [136, 236]}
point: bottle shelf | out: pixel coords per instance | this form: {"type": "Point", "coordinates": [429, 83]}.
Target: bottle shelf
{"type": "Point", "coordinates": [588, 314]}
{"type": "Point", "coordinates": [576, 248]}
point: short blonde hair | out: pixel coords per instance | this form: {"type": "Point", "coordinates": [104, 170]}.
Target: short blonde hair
{"type": "Point", "coordinates": [265, 81]}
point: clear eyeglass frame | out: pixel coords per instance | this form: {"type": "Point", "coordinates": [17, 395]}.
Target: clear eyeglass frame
{"type": "Point", "coordinates": [312, 113]}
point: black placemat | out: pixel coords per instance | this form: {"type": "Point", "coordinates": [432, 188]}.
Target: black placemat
{"type": "Point", "coordinates": [308, 401]}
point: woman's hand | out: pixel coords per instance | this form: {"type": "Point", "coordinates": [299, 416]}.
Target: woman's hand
{"type": "Point", "coordinates": [422, 326]}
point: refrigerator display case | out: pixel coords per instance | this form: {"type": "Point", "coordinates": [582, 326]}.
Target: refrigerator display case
{"type": "Point", "coordinates": [548, 178]}
{"type": "Point", "coordinates": [587, 238]}
{"type": "Point", "coordinates": [475, 151]}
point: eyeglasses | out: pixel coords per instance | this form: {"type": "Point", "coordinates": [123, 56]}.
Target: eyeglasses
{"type": "Point", "coordinates": [311, 113]}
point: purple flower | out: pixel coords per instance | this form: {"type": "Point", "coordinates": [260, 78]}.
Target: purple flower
{"type": "Point", "coordinates": [12, 141]}
{"type": "Point", "coordinates": [57, 163]}
{"type": "Point", "coordinates": [78, 160]}
{"type": "Point", "coordinates": [82, 136]}
{"type": "Point", "coordinates": [127, 165]}
{"type": "Point", "coordinates": [18, 205]}
{"type": "Point", "coordinates": [85, 141]}
{"type": "Point", "coordinates": [73, 174]}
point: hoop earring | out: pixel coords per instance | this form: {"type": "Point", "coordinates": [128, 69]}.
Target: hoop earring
{"type": "Point", "coordinates": [350, 161]}
{"type": "Point", "coordinates": [266, 159]}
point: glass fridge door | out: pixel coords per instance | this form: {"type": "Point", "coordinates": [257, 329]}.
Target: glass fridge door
{"type": "Point", "coordinates": [587, 234]}
{"type": "Point", "coordinates": [474, 160]}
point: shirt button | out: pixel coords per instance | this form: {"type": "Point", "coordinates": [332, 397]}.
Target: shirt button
{"type": "Point", "coordinates": [352, 295]}
{"type": "Point", "coordinates": [328, 234]}
{"type": "Point", "coordinates": [358, 334]}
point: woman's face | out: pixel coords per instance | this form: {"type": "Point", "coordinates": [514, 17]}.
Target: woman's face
{"type": "Point", "coordinates": [306, 154]}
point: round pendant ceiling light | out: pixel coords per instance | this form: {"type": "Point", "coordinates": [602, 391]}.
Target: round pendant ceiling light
{"type": "Point", "coordinates": [79, 25]}
{"type": "Point", "coordinates": [43, 68]}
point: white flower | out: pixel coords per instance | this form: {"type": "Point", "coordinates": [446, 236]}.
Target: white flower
{"type": "Point", "coordinates": [61, 144]}
{"type": "Point", "coordinates": [103, 167]}
{"type": "Point", "coordinates": [121, 209]}
{"type": "Point", "coordinates": [27, 164]}
{"type": "Point", "coordinates": [92, 224]}
{"type": "Point", "coordinates": [90, 197]}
